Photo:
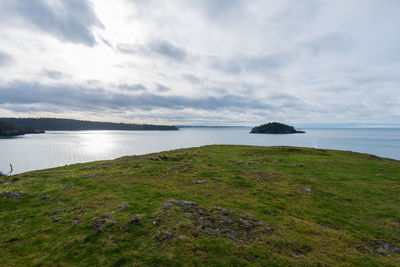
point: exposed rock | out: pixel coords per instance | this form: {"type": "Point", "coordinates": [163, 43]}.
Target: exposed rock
{"type": "Point", "coordinates": [386, 248]}
{"type": "Point", "coordinates": [110, 223]}
{"type": "Point", "coordinates": [156, 223]}
{"type": "Point", "coordinates": [75, 221]}
{"type": "Point", "coordinates": [124, 205]}
{"type": "Point", "coordinates": [163, 235]}
{"type": "Point", "coordinates": [98, 224]}
{"type": "Point", "coordinates": [226, 211]}
{"type": "Point", "coordinates": [264, 179]}
{"type": "Point", "coordinates": [134, 220]}
{"type": "Point", "coordinates": [123, 228]}
{"type": "Point", "coordinates": [166, 205]}
{"type": "Point", "coordinates": [204, 222]}
{"type": "Point", "coordinates": [188, 215]}
{"type": "Point", "coordinates": [7, 183]}
{"type": "Point", "coordinates": [212, 231]}
{"type": "Point", "coordinates": [184, 203]}
{"type": "Point", "coordinates": [57, 219]}
{"type": "Point", "coordinates": [381, 250]}
{"type": "Point", "coordinates": [44, 197]}
{"type": "Point", "coordinates": [108, 214]}
{"type": "Point", "coordinates": [98, 220]}
{"type": "Point", "coordinates": [199, 182]}
{"type": "Point", "coordinates": [298, 254]}
{"type": "Point", "coordinates": [12, 195]}
{"type": "Point", "coordinates": [308, 190]}
{"type": "Point", "coordinates": [269, 229]}
{"type": "Point", "coordinates": [246, 223]}
{"type": "Point", "coordinates": [54, 212]}
{"type": "Point", "coordinates": [221, 222]}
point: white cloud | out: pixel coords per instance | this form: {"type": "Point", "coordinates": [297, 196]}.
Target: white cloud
{"type": "Point", "coordinates": [299, 61]}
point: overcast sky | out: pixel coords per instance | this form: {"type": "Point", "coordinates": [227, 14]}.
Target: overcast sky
{"type": "Point", "coordinates": [219, 62]}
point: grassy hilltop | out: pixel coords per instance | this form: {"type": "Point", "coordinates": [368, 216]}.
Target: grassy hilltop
{"type": "Point", "coordinates": [207, 206]}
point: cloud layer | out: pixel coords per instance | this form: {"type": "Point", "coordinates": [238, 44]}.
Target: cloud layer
{"type": "Point", "coordinates": [70, 21]}
{"type": "Point", "coordinates": [202, 62]}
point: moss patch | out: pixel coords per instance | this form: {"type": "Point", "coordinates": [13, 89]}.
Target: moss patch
{"type": "Point", "coordinates": [209, 206]}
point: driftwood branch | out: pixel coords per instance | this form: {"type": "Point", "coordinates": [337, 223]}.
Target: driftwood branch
{"type": "Point", "coordinates": [11, 169]}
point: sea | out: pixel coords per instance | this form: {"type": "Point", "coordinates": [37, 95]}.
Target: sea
{"type": "Point", "coordinates": [59, 148]}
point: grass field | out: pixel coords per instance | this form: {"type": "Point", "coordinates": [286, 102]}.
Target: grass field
{"type": "Point", "coordinates": [208, 206]}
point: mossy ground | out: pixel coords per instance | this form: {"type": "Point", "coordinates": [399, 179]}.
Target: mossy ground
{"type": "Point", "coordinates": [305, 207]}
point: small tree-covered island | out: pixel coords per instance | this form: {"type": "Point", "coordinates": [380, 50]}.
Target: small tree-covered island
{"type": "Point", "coordinates": [275, 128]}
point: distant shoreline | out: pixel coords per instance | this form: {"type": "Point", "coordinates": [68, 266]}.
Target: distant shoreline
{"type": "Point", "coordinates": [56, 124]}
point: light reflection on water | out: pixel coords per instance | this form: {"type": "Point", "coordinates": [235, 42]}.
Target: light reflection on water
{"type": "Point", "coordinates": [97, 143]}
{"type": "Point", "coordinates": [33, 152]}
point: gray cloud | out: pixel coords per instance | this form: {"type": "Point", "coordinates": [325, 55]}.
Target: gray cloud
{"type": "Point", "coordinates": [132, 87]}
{"type": "Point", "coordinates": [193, 79]}
{"type": "Point", "coordinates": [252, 64]}
{"type": "Point", "coordinates": [288, 101]}
{"type": "Point", "coordinates": [284, 97]}
{"type": "Point", "coordinates": [54, 74]}
{"type": "Point", "coordinates": [155, 48]}
{"type": "Point", "coordinates": [105, 41]}
{"type": "Point", "coordinates": [130, 49]}
{"type": "Point", "coordinates": [70, 20]}
{"type": "Point", "coordinates": [333, 42]}
{"type": "Point", "coordinates": [162, 88]}
{"type": "Point", "coordinates": [98, 98]}
{"type": "Point", "coordinates": [5, 59]}
{"type": "Point", "coordinates": [168, 50]}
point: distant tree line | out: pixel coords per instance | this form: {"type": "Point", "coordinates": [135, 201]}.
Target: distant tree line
{"type": "Point", "coordinates": [53, 124]}
{"type": "Point", "coordinates": [10, 129]}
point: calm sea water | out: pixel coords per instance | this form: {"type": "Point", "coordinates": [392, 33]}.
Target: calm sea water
{"type": "Point", "coordinates": [34, 152]}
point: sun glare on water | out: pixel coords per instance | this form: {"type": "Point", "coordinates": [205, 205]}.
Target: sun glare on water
{"type": "Point", "coordinates": [97, 142]}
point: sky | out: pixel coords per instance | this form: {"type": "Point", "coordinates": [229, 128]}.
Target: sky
{"type": "Point", "coordinates": [202, 62]}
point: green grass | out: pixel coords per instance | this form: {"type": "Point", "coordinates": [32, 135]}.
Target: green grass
{"type": "Point", "coordinates": [326, 207]}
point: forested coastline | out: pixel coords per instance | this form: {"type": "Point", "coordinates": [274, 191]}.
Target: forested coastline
{"type": "Point", "coordinates": [54, 124]}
